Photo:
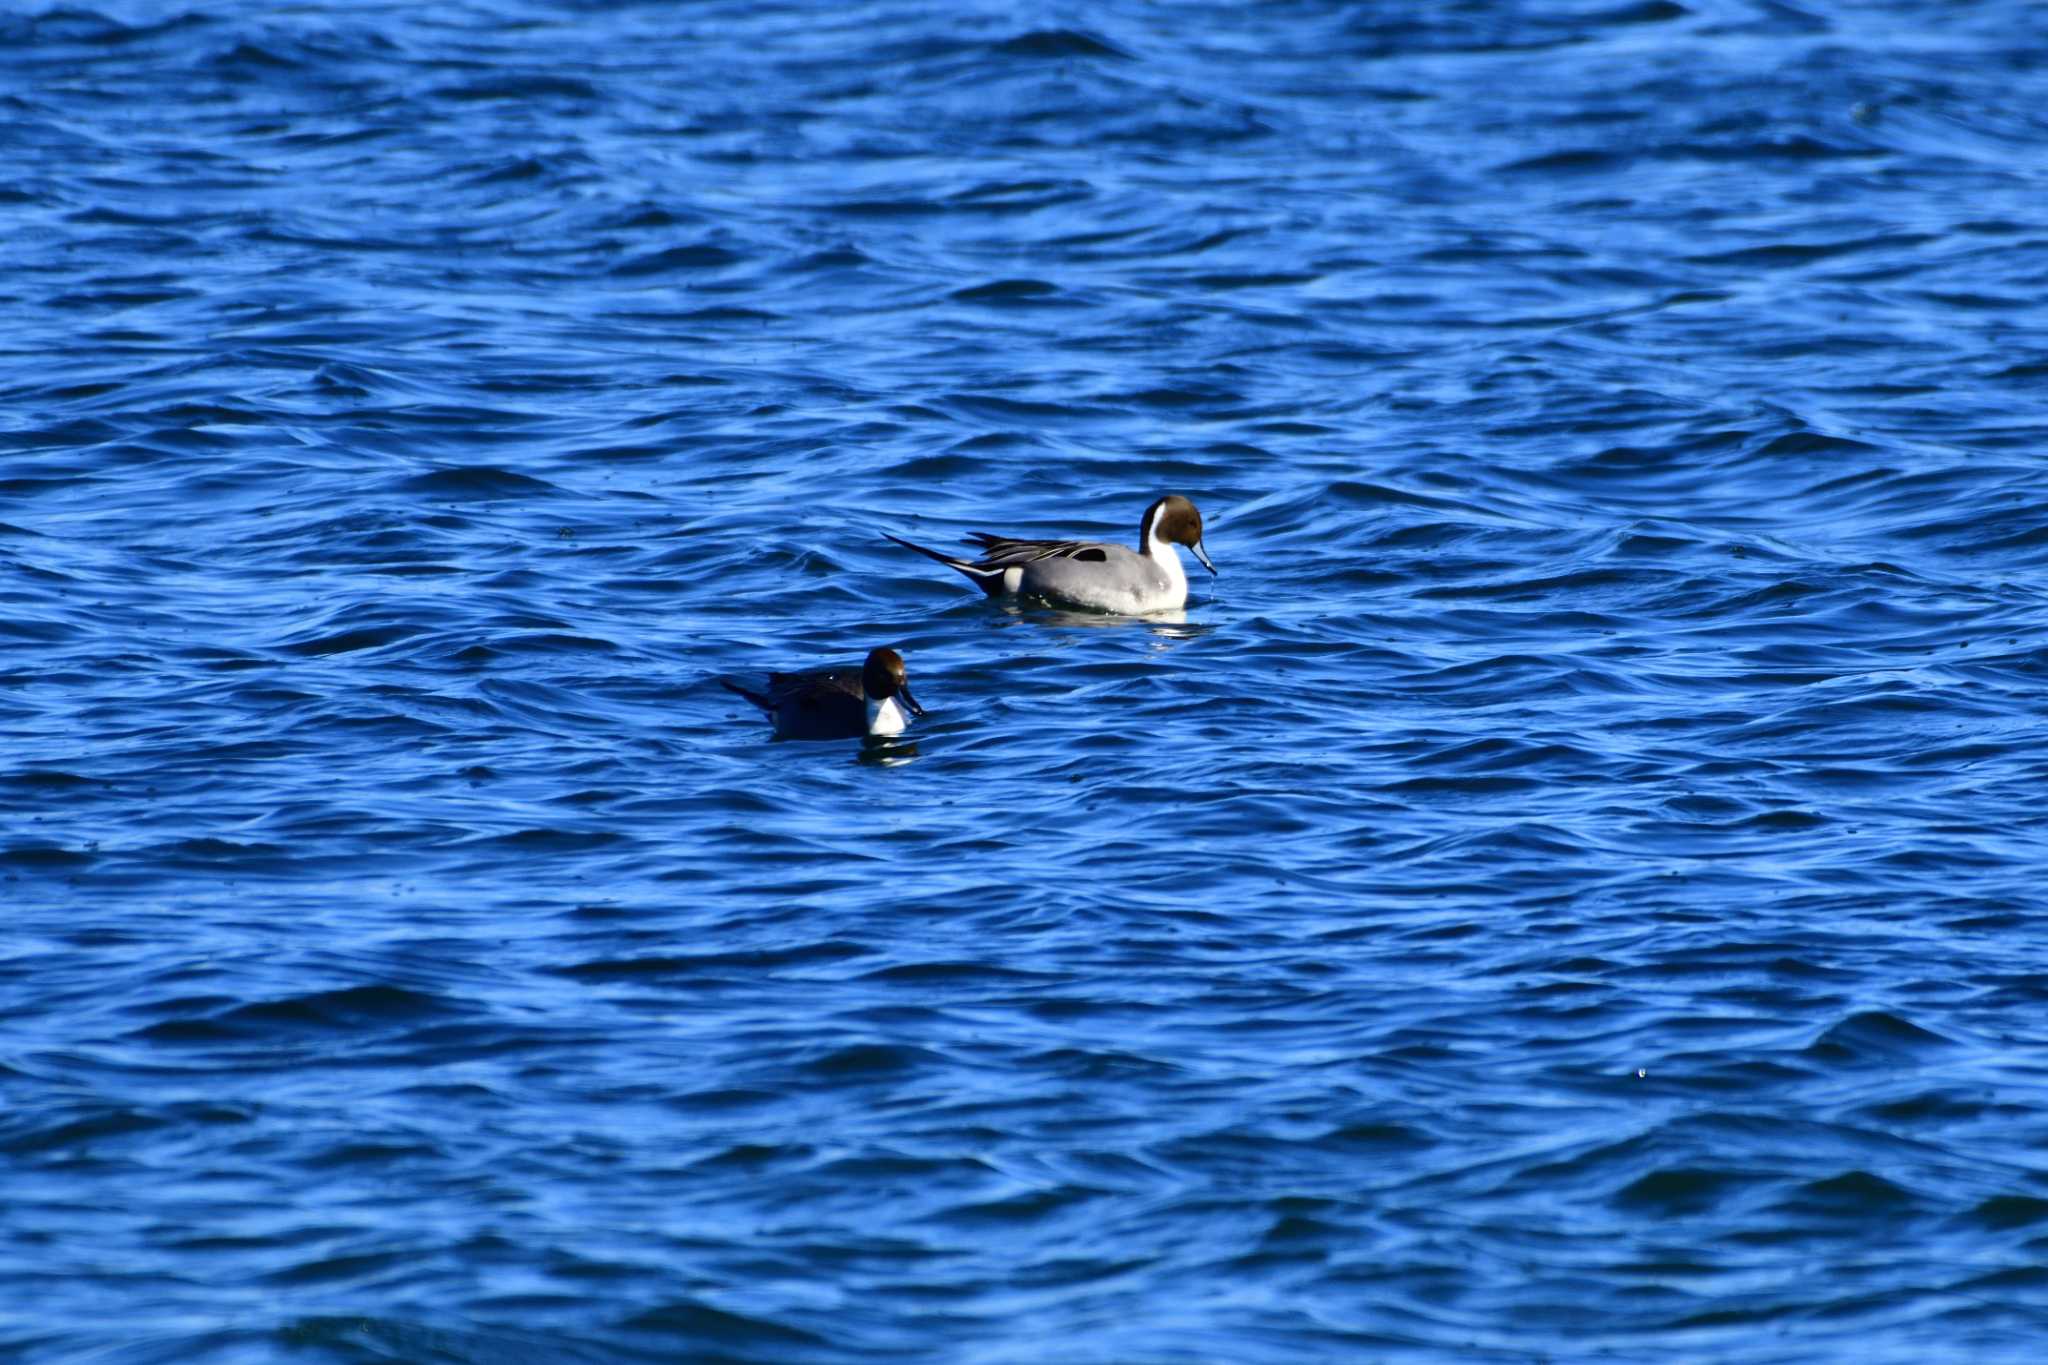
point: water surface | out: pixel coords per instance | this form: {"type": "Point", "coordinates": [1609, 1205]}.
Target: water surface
{"type": "Point", "coordinates": [1571, 885]}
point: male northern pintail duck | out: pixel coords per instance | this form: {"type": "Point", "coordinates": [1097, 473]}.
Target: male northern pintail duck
{"type": "Point", "coordinates": [838, 703]}
{"type": "Point", "coordinates": [1087, 573]}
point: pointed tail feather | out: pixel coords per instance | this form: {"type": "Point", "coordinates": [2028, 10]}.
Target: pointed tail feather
{"type": "Point", "coordinates": [948, 560]}
{"type": "Point", "coordinates": [989, 580]}
{"type": "Point", "coordinates": [754, 697]}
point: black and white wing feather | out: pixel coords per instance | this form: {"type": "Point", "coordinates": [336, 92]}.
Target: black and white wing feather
{"type": "Point", "coordinates": [1002, 557]}
{"type": "Point", "coordinates": [1004, 552]}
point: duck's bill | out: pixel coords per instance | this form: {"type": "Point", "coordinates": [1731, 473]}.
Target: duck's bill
{"type": "Point", "coordinates": [909, 701]}
{"type": "Point", "coordinates": [1203, 555]}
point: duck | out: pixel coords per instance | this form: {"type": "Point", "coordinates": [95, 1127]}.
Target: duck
{"type": "Point", "coordinates": [1093, 575]}
{"type": "Point", "coordinates": [838, 703]}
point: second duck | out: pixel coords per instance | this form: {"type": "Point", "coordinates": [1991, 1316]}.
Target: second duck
{"type": "Point", "coordinates": [838, 703]}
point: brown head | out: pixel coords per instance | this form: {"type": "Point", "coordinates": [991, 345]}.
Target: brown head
{"type": "Point", "coordinates": [882, 677]}
{"type": "Point", "coordinates": [1174, 520]}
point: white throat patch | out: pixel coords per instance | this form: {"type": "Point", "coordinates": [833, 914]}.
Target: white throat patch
{"type": "Point", "coordinates": [885, 717]}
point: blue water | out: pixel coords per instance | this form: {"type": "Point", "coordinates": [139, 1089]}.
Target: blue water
{"type": "Point", "coordinates": [1573, 885]}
